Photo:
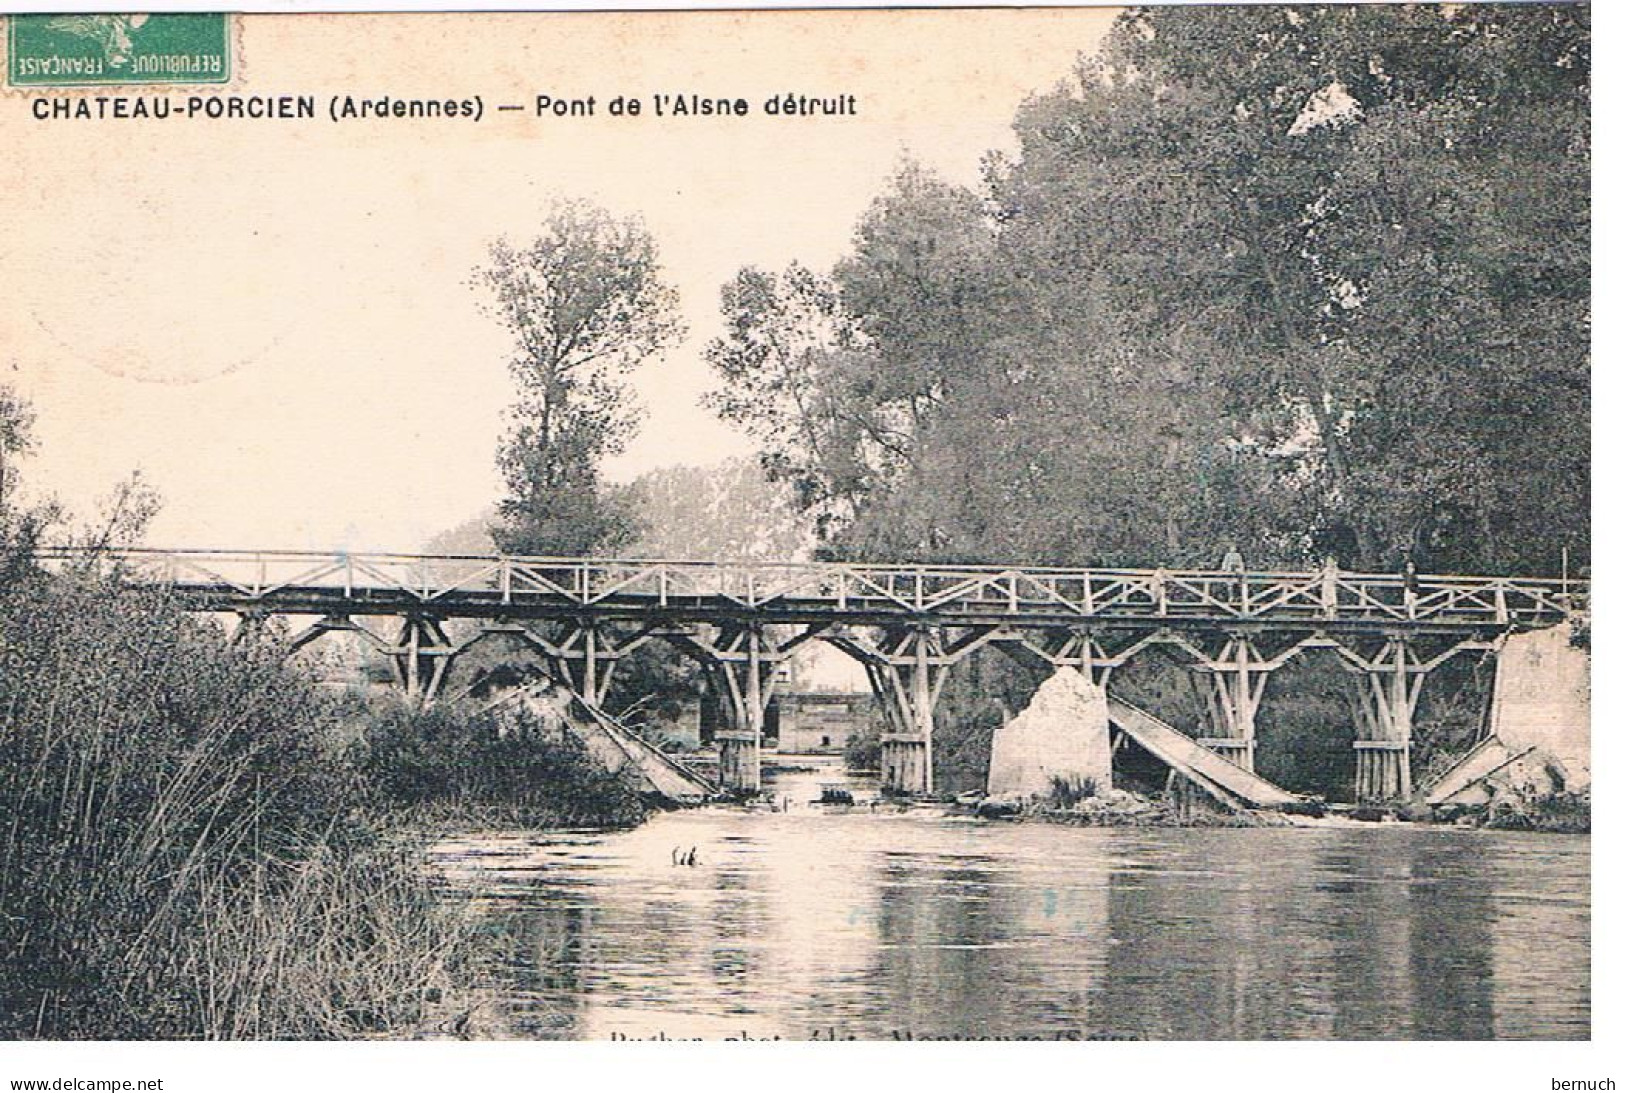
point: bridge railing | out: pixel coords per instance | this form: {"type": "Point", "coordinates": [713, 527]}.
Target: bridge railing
{"type": "Point", "coordinates": [270, 577]}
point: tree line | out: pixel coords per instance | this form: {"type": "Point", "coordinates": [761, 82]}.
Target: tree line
{"type": "Point", "coordinates": [1312, 282]}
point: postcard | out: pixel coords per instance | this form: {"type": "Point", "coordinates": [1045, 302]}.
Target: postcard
{"type": "Point", "coordinates": [813, 525]}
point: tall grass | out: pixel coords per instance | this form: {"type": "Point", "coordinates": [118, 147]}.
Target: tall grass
{"type": "Point", "coordinates": [338, 945]}
{"type": "Point", "coordinates": [175, 858]}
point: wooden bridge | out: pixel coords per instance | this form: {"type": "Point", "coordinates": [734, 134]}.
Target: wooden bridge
{"type": "Point", "coordinates": [906, 624]}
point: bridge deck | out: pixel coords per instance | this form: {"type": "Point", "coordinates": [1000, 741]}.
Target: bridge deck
{"type": "Point", "coordinates": [317, 583]}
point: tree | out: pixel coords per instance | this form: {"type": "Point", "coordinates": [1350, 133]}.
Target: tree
{"type": "Point", "coordinates": [21, 528]}
{"type": "Point", "coordinates": [1376, 221]}
{"type": "Point", "coordinates": [1312, 279]}
{"type": "Point", "coordinates": [790, 361]}
{"type": "Point", "coordinates": [586, 306]}
{"type": "Point", "coordinates": [727, 511]}
{"type": "Point", "coordinates": [1472, 270]}
{"type": "Point", "coordinates": [16, 439]}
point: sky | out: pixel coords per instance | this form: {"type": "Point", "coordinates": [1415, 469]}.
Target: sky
{"type": "Point", "coordinates": [273, 320]}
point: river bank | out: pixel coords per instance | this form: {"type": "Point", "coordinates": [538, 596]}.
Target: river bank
{"type": "Point", "coordinates": [201, 843]}
{"type": "Point", "coordinates": [1564, 814]}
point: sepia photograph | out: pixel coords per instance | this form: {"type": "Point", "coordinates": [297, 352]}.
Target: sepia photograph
{"type": "Point", "coordinates": [980, 524]}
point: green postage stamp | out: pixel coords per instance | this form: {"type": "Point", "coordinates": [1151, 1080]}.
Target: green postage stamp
{"type": "Point", "coordinates": [91, 50]}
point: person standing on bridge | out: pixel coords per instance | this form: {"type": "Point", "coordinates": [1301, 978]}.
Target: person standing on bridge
{"type": "Point", "coordinates": [1413, 590]}
{"type": "Point", "coordinates": [1235, 569]}
{"type": "Point", "coordinates": [1328, 588]}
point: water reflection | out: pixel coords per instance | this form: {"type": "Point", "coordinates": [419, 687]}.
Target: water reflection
{"type": "Point", "coordinates": [852, 923]}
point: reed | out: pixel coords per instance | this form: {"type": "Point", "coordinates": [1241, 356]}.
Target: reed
{"type": "Point", "coordinates": [177, 853]}
{"type": "Point", "coordinates": [344, 943]}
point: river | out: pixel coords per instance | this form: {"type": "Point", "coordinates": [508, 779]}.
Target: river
{"type": "Point", "coordinates": [821, 922]}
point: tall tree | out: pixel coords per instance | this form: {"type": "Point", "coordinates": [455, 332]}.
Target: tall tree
{"type": "Point", "coordinates": [1314, 280]}
{"type": "Point", "coordinates": [1462, 228]}
{"type": "Point", "coordinates": [797, 374]}
{"type": "Point", "coordinates": [1342, 201]}
{"type": "Point", "coordinates": [587, 306]}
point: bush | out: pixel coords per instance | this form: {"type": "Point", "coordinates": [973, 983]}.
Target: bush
{"type": "Point", "coordinates": [1066, 792]}
{"type": "Point", "coordinates": [1560, 812]}
{"type": "Point", "coordinates": [862, 750]}
{"type": "Point", "coordinates": [455, 758]}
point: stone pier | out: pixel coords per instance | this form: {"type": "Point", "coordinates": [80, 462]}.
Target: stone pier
{"type": "Point", "coordinates": [1063, 734]}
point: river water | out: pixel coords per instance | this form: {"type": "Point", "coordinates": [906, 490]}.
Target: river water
{"type": "Point", "coordinates": [879, 923]}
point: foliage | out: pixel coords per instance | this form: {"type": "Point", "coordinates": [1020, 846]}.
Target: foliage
{"type": "Point", "coordinates": [183, 855]}
{"type": "Point", "coordinates": [1314, 280]}
{"type": "Point", "coordinates": [21, 529]}
{"type": "Point", "coordinates": [586, 307]}
{"type": "Point", "coordinates": [862, 750]}
{"type": "Point", "coordinates": [727, 511]}
{"type": "Point", "coordinates": [16, 437]}
{"type": "Point", "coordinates": [343, 942]}
{"type": "Point", "coordinates": [1067, 792]}
{"type": "Point", "coordinates": [462, 760]}
{"type": "Point", "coordinates": [1560, 813]}
{"type": "Point", "coordinates": [797, 374]}
{"type": "Point", "coordinates": [651, 685]}
{"type": "Point", "coordinates": [981, 693]}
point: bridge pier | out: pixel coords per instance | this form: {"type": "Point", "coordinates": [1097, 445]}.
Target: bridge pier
{"type": "Point", "coordinates": [906, 672]}
{"type": "Point", "coordinates": [1235, 688]}
{"type": "Point", "coordinates": [739, 762]}
{"type": "Point", "coordinates": [1386, 708]}
{"type": "Point", "coordinates": [420, 657]}
{"type": "Point", "coordinates": [908, 675]}
{"type": "Point", "coordinates": [905, 763]}
{"type": "Point", "coordinates": [746, 660]}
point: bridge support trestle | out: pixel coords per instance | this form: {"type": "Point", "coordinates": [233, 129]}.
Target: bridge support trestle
{"type": "Point", "coordinates": [739, 762]}
{"type": "Point", "coordinates": [585, 655]}
{"type": "Point", "coordinates": [1076, 647]}
{"type": "Point", "coordinates": [420, 658]}
{"type": "Point", "coordinates": [1235, 681]}
{"type": "Point", "coordinates": [1385, 711]}
{"type": "Point", "coordinates": [745, 661]}
{"type": "Point", "coordinates": [1385, 708]}
{"type": "Point", "coordinates": [907, 672]}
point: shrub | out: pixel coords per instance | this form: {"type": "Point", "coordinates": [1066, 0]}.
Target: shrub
{"type": "Point", "coordinates": [1561, 812]}
{"type": "Point", "coordinates": [862, 750]}
{"type": "Point", "coordinates": [457, 758]}
{"type": "Point", "coordinates": [1066, 792]}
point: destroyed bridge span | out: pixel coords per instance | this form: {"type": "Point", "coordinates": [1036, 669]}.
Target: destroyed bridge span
{"type": "Point", "coordinates": [906, 624]}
